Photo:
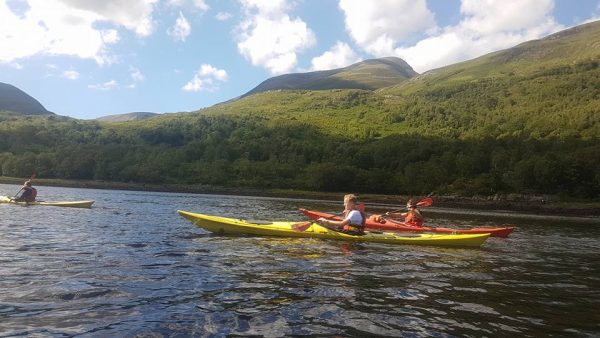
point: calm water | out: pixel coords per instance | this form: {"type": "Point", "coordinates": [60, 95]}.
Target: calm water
{"type": "Point", "coordinates": [130, 266]}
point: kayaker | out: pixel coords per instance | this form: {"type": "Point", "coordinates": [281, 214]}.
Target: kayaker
{"type": "Point", "coordinates": [353, 222]}
{"type": "Point", "coordinates": [28, 194]}
{"type": "Point", "coordinates": [412, 217]}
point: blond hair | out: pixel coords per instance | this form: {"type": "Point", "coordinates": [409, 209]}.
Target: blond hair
{"type": "Point", "coordinates": [351, 198]}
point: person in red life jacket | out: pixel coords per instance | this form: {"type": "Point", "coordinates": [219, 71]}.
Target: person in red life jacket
{"type": "Point", "coordinates": [28, 194]}
{"type": "Point", "coordinates": [412, 217]}
{"type": "Point", "coordinates": [354, 219]}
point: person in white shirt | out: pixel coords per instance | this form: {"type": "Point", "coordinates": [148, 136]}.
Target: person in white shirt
{"type": "Point", "coordinates": [353, 221]}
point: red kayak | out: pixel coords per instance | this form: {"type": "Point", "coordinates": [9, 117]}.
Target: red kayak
{"type": "Point", "coordinates": [388, 224]}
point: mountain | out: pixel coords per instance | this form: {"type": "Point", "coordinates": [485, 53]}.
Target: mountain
{"type": "Point", "coordinates": [576, 45]}
{"type": "Point", "coordinates": [369, 74]}
{"type": "Point", "coordinates": [524, 120]}
{"type": "Point", "coordinates": [546, 88]}
{"type": "Point", "coordinates": [135, 116]}
{"type": "Point", "coordinates": [15, 100]}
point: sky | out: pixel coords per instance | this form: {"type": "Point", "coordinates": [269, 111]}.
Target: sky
{"type": "Point", "coordinates": [92, 58]}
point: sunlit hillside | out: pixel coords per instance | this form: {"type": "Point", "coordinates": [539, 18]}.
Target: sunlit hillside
{"type": "Point", "coordinates": [522, 120]}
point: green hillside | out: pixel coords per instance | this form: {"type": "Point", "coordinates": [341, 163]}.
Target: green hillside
{"type": "Point", "coordinates": [539, 89]}
{"type": "Point", "coordinates": [368, 74]}
{"type": "Point", "coordinates": [126, 117]}
{"type": "Point", "coordinates": [13, 99]}
{"type": "Point", "coordinates": [522, 120]}
{"type": "Point", "coordinates": [542, 88]}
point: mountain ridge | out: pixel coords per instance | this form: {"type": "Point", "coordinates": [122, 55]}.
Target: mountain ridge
{"type": "Point", "coordinates": [13, 99]}
{"type": "Point", "coordinates": [368, 75]}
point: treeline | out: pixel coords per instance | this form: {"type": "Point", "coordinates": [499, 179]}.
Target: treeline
{"type": "Point", "coordinates": [249, 152]}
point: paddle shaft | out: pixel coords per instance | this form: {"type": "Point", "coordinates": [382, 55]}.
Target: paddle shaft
{"type": "Point", "coordinates": [305, 225]}
{"type": "Point", "coordinates": [15, 195]}
{"type": "Point", "coordinates": [422, 203]}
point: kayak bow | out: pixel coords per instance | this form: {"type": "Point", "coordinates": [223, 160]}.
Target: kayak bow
{"type": "Point", "coordinates": [232, 226]}
{"type": "Point", "coordinates": [391, 225]}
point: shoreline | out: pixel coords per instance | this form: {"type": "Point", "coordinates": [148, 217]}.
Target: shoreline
{"type": "Point", "coordinates": [535, 204]}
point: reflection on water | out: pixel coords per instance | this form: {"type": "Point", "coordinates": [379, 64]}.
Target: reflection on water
{"type": "Point", "coordinates": [132, 266]}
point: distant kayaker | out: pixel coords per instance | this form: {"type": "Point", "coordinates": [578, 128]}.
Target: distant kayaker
{"type": "Point", "coordinates": [28, 194]}
{"type": "Point", "coordinates": [412, 217]}
{"type": "Point", "coordinates": [353, 222]}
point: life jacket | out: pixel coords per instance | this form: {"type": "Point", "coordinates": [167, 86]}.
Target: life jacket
{"type": "Point", "coordinates": [355, 229]}
{"type": "Point", "coordinates": [29, 194]}
{"type": "Point", "coordinates": [414, 218]}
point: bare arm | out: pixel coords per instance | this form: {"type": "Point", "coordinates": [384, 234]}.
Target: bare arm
{"type": "Point", "coordinates": [396, 214]}
{"type": "Point", "coordinates": [333, 223]}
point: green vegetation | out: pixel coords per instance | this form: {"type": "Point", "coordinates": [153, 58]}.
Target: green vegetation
{"type": "Point", "coordinates": [126, 117]}
{"type": "Point", "coordinates": [523, 120]}
{"type": "Point", "coordinates": [246, 151]}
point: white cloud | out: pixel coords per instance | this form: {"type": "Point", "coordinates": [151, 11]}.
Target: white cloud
{"type": "Point", "coordinates": [135, 15]}
{"type": "Point", "coordinates": [486, 26]}
{"type": "Point", "coordinates": [136, 76]}
{"type": "Point", "coordinates": [490, 17]}
{"type": "Point", "coordinates": [340, 55]}
{"type": "Point", "coordinates": [223, 16]}
{"type": "Point", "coordinates": [199, 4]}
{"type": "Point", "coordinates": [70, 27]}
{"type": "Point", "coordinates": [70, 74]}
{"type": "Point", "coordinates": [104, 86]}
{"type": "Point", "coordinates": [269, 38]}
{"type": "Point", "coordinates": [15, 65]}
{"type": "Point", "coordinates": [376, 26]}
{"type": "Point", "coordinates": [205, 79]}
{"type": "Point", "coordinates": [181, 29]}
{"type": "Point", "coordinates": [110, 36]}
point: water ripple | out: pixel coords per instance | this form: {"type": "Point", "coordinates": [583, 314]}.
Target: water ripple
{"type": "Point", "coordinates": [131, 267]}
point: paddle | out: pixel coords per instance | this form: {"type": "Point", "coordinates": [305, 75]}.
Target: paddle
{"type": "Point", "coordinates": [15, 196]}
{"type": "Point", "coordinates": [426, 202]}
{"type": "Point", "coordinates": [386, 218]}
{"type": "Point", "coordinates": [302, 226]}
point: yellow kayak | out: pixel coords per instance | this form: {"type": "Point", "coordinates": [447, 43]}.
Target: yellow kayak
{"type": "Point", "coordinates": [232, 226]}
{"type": "Point", "coordinates": [71, 204]}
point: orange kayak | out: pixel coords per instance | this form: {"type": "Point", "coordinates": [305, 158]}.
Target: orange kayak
{"type": "Point", "coordinates": [393, 225]}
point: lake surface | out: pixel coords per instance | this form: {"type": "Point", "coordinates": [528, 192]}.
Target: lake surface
{"type": "Point", "coordinates": [130, 266]}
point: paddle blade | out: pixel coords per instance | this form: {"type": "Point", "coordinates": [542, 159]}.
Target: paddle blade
{"type": "Point", "coordinates": [299, 227]}
{"type": "Point", "coordinates": [425, 202]}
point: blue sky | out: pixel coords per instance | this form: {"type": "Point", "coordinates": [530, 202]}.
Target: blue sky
{"type": "Point", "coordinates": [88, 59]}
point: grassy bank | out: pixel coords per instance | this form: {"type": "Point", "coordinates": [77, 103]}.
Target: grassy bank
{"type": "Point", "coordinates": [548, 205]}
